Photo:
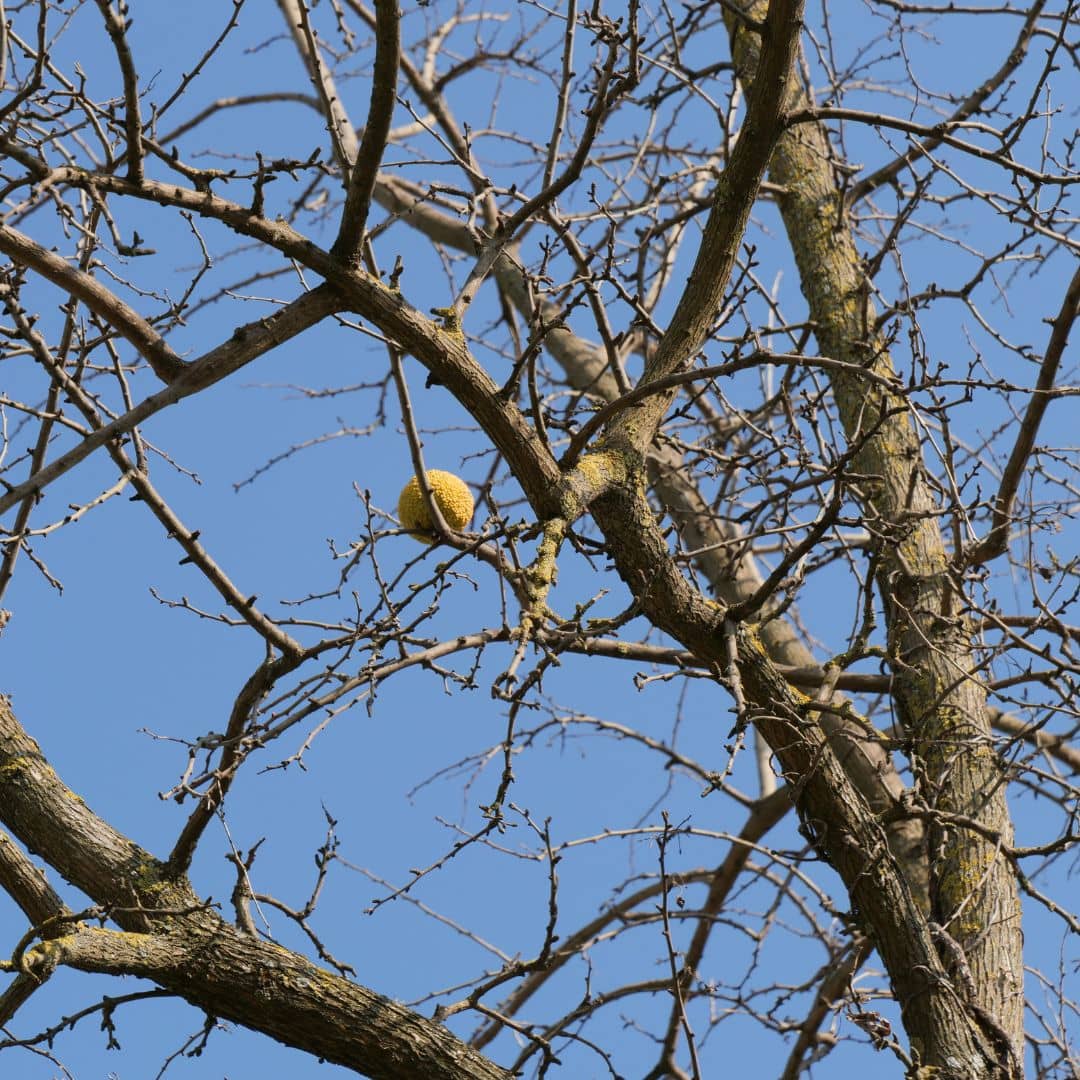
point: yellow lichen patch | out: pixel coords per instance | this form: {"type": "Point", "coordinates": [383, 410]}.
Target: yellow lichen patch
{"type": "Point", "coordinates": [452, 496]}
{"type": "Point", "coordinates": [959, 880]}
{"type": "Point", "coordinates": [800, 697]}
{"type": "Point", "coordinates": [753, 638]}
{"type": "Point", "coordinates": [13, 767]}
{"type": "Point", "coordinates": [451, 320]}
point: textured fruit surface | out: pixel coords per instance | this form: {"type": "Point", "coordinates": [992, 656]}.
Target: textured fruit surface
{"type": "Point", "coordinates": [452, 496]}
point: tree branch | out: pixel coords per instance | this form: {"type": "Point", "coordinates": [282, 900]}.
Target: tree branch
{"type": "Point", "coordinates": [184, 946]}
{"type": "Point", "coordinates": [735, 195]}
{"type": "Point", "coordinates": [364, 169]}
{"type": "Point", "coordinates": [996, 540]}
{"type": "Point", "coordinates": [102, 302]}
{"type": "Point", "coordinates": [247, 343]}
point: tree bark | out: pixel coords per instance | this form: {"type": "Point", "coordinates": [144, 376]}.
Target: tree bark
{"type": "Point", "coordinates": [938, 694]}
{"type": "Point", "coordinates": [834, 815]}
{"type": "Point", "coordinates": [171, 937]}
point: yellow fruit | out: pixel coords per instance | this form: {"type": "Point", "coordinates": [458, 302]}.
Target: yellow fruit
{"type": "Point", "coordinates": [452, 496]}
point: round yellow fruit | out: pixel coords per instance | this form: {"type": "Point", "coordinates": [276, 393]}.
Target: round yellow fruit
{"type": "Point", "coordinates": [452, 496]}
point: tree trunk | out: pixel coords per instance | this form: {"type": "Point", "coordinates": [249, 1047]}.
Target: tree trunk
{"type": "Point", "coordinates": [939, 697]}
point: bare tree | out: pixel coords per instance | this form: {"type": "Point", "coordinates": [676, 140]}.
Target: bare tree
{"type": "Point", "coordinates": [814, 528]}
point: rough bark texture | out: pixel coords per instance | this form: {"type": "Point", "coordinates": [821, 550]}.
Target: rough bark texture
{"type": "Point", "coordinates": [861, 755]}
{"type": "Point", "coordinates": [939, 699]}
{"type": "Point", "coordinates": [833, 812]}
{"type": "Point", "coordinates": [169, 936]}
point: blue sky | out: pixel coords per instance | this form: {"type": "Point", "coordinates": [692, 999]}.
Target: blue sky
{"type": "Point", "coordinates": [107, 678]}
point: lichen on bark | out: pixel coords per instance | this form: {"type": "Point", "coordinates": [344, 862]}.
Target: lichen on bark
{"type": "Point", "coordinates": [937, 694]}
